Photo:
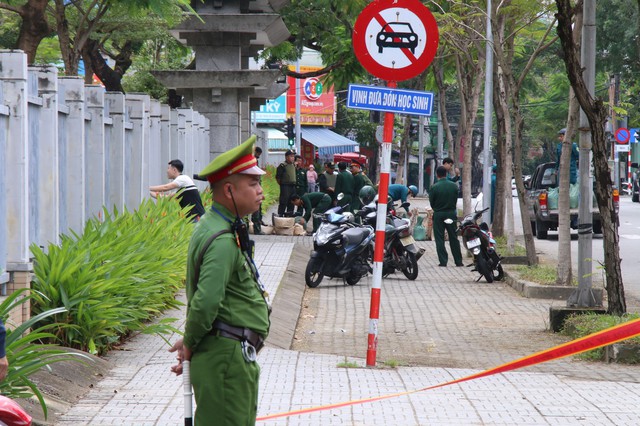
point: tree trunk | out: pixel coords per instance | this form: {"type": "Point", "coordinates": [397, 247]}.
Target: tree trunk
{"type": "Point", "coordinates": [596, 113]}
{"type": "Point", "coordinates": [404, 143]}
{"type": "Point", "coordinates": [110, 77]}
{"type": "Point", "coordinates": [33, 28]}
{"type": "Point", "coordinates": [442, 104]}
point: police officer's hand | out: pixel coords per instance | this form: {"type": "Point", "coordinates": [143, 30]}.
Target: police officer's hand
{"type": "Point", "coordinates": [178, 347]}
{"type": "Point", "coordinates": [4, 366]}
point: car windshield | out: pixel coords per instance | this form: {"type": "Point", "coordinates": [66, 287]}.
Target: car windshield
{"type": "Point", "coordinates": [398, 27]}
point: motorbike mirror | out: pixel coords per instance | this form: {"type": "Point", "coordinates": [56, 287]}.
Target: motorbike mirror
{"type": "Point", "coordinates": [634, 165]}
{"type": "Point", "coordinates": [340, 196]}
{"type": "Point", "coordinates": [448, 221]}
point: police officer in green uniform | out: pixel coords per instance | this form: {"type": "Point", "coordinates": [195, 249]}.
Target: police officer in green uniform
{"type": "Point", "coordinates": [360, 180]}
{"type": "Point", "coordinates": [317, 202]}
{"type": "Point", "coordinates": [344, 185]}
{"type": "Point", "coordinates": [443, 197]}
{"type": "Point", "coordinates": [227, 311]}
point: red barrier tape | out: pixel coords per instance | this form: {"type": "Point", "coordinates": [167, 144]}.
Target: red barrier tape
{"type": "Point", "coordinates": [593, 341]}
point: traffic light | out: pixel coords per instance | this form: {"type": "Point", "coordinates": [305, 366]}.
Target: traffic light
{"type": "Point", "coordinates": [291, 130]}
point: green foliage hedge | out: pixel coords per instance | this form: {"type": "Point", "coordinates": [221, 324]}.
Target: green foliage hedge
{"type": "Point", "coordinates": [119, 274]}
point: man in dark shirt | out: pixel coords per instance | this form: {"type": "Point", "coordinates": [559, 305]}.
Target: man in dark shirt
{"type": "Point", "coordinates": [286, 178]}
{"type": "Point", "coordinates": [443, 197]}
{"type": "Point", "coordinates": [344, 185]}
{"type": "Point", "coordinates": [327, 180]}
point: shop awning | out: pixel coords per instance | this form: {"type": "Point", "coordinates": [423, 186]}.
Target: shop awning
{"type": "Point", "coordinates": [327, 141]}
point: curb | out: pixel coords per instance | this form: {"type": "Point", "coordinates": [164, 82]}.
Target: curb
{"type": "Point", "coordinates": [538, 291]}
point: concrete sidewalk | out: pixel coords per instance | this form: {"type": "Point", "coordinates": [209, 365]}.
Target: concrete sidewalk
{"type": "Point", "coordinates": [459, 326]}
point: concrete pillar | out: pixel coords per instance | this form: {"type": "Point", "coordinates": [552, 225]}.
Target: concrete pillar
{"type": "Point", "coordinates": [181, 142]}
{"type": "Point", "coordinates": [165, 138]}
{"type": "Point", "coordinates": [222, 108]}
{"type": "Point", "coordinates": [4, 119]}
{"type": "Point", "coordinates": [134, 148]}
{"type": "Point", "coordinates": [95, 152]}
{"type": "Point", "coordinates": [245, 120]}
{"type": "Point", "coordinates": [114, 160]}
{"type": "Point", "coordinates": [47, 195]}
{"type": "Point", "coordinates": [13, 77]}
{"type": "Point", "coordinates": [175, 136]}
{"type": "Point", "coordinates": [72, 156]}
{"type": "Point", "coordinates": [145, 139]}
{"type": "Point", "coordinates": [19, 279]}
{"type": "Point", "coordinates": [188, 141]}
{"type": "Point", "coordinates": [156, 166]}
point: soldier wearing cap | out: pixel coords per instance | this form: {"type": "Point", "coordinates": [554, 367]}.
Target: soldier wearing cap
{"type": "Point", "coordinates": [227, 310]}
{"type": "Point", "coordinates": [359, 181]}
{"type": "Point", "coordinates": [327, 180]}
{"type": "Point", "coordinates": [286, 178]}
{"type": "Point", "coordinates": [301, 176]}
{"type": "Point", "coordinates": [344, 185]}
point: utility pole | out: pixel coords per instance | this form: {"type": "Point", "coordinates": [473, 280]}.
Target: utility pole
{"type": "Point", "coordinates": [583, 296]}
{"type": "Point", "coordinates": [488, 94]}
{"type": "Point", "coordinates": [421, 154]}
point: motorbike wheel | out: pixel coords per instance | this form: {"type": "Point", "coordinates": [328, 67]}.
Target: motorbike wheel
{"type": "Point", "coordinates": [313, 275]}
{"type": "Point", "coordinates": [411, 271]}
{"type": "Point", "coordinates": [498, 273]}
{"type": "Point", "coordinates": [352, 280]}
{"type": "Point", "coordinates": [482, 266]}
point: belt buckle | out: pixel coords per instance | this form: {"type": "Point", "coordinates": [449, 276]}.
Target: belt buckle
{"type": "Point", "coordinates": [249, 352]}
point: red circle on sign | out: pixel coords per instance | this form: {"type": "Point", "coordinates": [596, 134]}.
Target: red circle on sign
{"type": "Point", "coordinates": [398, 35]}
{"type": "Point", "coordinates": [623, 135]}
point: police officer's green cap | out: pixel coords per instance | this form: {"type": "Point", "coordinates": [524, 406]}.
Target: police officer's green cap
{"type": "Point", "coordinates": [239, 160]}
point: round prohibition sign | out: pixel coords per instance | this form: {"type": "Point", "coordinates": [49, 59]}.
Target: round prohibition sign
{"type": "Point", "coordinates": [623, 135]}
{"type": "Point", "coordinates": [395, 39]}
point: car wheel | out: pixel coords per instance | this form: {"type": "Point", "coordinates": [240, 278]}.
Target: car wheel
{"type": "Point", "coordinates": [541, 230]}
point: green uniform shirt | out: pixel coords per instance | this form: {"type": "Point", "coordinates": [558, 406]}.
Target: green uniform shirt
{"type": "Point", "coordinates": [226, 289]}
{"type": "Point", "coordinates": [345, 184]}
{"type": "Point", "coordinates": [360, 180]}
{"type": "Point", "coordinates": [443, 196]}
{"type": "Point", "coordinates": [310, 201]}
{"type": "Point", "coordinates": [301, 181]}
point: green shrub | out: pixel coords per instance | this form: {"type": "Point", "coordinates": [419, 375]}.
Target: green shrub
{"type": "Point", "coordinates": [540, 274]}
{"type": "Point", "coordinates": [23, 352]}
{"type": "Point", "coordinates": [580, 325]}
{"type": "Point", "coordinates": [119, 274]}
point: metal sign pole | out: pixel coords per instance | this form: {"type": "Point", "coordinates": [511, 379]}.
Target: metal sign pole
{"type": "Point", "coordinates": [378, 254]}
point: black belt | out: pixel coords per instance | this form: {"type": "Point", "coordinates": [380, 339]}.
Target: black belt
{"type": "Point", "coordinates": [237, 333]}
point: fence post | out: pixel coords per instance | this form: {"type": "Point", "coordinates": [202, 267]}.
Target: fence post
{"type": "Point", "coordinates": [165, 136]}
{"type": "Point", "coordinates": [133, 163]}
{"type": "Point", "coordinates": [156, 166]}
{"type": "Point", "coordinates": [48, 195]}
{"type": "Point", "coordinates": [145, 139]}
{"type": "Point", "coordinates": [114, 163]}
{"type": "Point", "coordinates": [13, 76]}
{"type": "Point", "coordinates": [72, 156]}
{"type": "Point", "coordinates": [188, 139]}
{"type": "Point", "coordinates": [175, 136]}
{"type": "Point", "coordinates": [95, 151]}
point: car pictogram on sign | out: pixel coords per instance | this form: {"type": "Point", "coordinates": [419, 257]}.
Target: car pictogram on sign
{"type": "Point", "coordinates": [397, 34]}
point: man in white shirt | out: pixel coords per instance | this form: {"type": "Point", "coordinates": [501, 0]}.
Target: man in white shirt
{"type": "Point", "coordinates": [181, 186]}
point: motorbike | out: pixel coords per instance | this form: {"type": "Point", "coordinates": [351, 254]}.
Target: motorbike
{"type": "Point", "coordinates": [478, 240]}
{"type": "Point", "coordinates": [341, 249]}
{"type": "Point", "coordinates": [400, 251]}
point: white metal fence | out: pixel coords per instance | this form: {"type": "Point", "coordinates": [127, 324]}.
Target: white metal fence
{"type": "Point", "coordinates": [67, 150]}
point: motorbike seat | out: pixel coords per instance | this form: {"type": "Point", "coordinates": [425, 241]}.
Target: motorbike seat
{"type": "Point", "coordinates": [355, 236]}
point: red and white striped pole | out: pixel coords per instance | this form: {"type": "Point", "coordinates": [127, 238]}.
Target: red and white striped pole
{"type": "Point", "coordinates": [378, 254]}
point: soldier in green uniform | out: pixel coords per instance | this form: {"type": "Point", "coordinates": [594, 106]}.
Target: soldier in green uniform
{"type": "Point", "coordinates": [286, 178]}
{"type": "Point", "coordinates": [359, 181]}
{"type": "Point", "coordinates": [227, 311]}
{"type": "Point", "coordinates": [344, 185]}
{"type": "Point", "coordinates": [301, 176]}
{"type": "Point", "coordinates": [317, 202]}
{"type": "Point", "coordinates": [443, 197]}
{"type": "Point", "coordinates": [327, 180]}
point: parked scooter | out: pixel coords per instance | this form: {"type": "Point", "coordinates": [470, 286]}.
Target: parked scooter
{"type": "Point", "coordinates": [478, 240]}
{"type": "Point", "coordinates": [341, 249]}
{"type": "Point", "coordinates": [400, 251]}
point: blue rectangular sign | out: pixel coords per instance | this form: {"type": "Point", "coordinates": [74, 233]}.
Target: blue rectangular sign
{"type": "Point", "coordinates": [390, 100]}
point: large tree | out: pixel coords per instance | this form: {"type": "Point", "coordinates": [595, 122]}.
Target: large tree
{"type": "Point", "coordinates": [596, 113]}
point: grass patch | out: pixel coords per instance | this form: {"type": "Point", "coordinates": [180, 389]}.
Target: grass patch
{"type": "Point", "coordinates": [348, 364]}
{"type": "Point", "coordinates": [577, 326]}
{"type": "Point", "coordinates": [501, 247]}
{"type": "Point", "coordinates": [540, 274]}
{"type": "Point", "coordinates": [394, 363]}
